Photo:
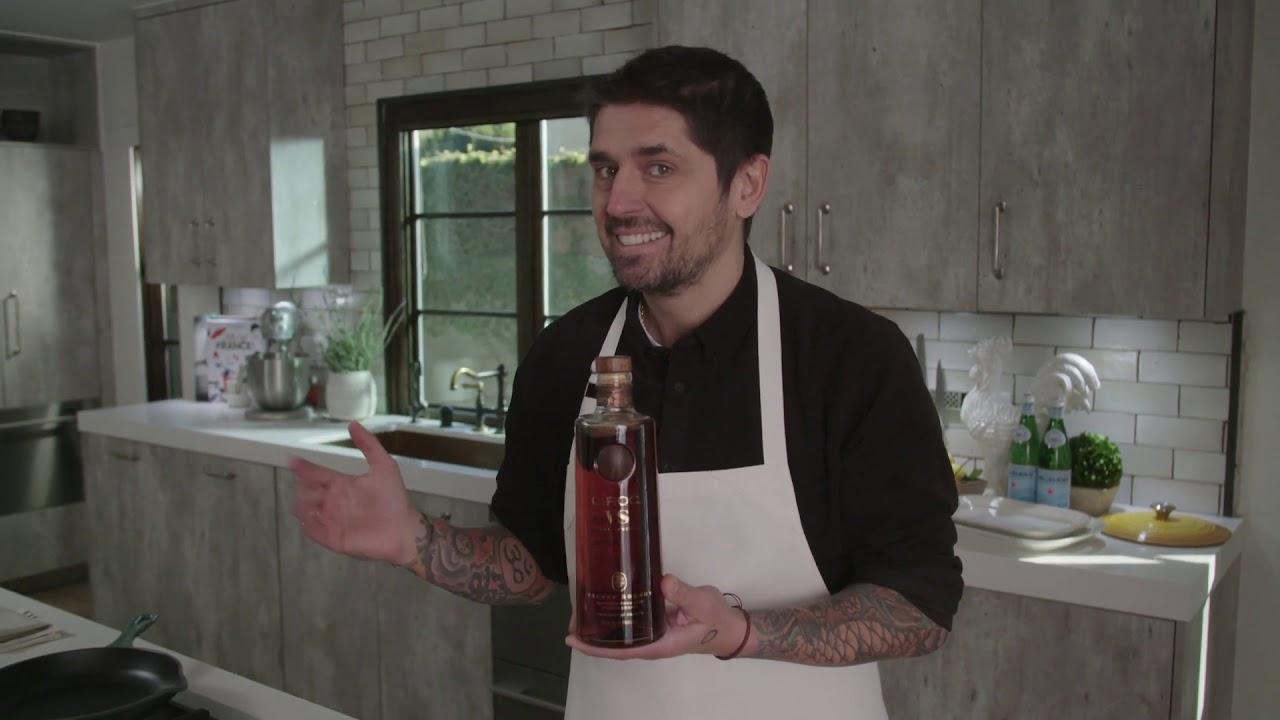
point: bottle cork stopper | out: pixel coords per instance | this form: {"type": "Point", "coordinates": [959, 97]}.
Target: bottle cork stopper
{"type": "Point", "coordinates": [613, 364]}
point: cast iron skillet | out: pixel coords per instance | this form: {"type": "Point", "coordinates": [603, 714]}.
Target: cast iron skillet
{"type": "Point", "coordinates": [117, 682]}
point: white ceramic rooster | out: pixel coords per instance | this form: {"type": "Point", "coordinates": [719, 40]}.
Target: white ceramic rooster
{"type": "Point", "coordinates": [1064, 377]}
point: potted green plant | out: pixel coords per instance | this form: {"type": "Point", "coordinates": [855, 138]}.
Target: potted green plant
{"type": "Point", "coordinates": [1096, 468]}
{"type": "Point", "coordinates": [350, 349]}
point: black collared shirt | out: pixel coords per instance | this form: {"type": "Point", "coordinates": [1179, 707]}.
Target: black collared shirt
{"type": "Point", "coordinates": [864, 445]}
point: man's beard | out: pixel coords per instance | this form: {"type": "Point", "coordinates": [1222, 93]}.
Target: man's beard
{"type": "Point", "coordinates": [682, 265]}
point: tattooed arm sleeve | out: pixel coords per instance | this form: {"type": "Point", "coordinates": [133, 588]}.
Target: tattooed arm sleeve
{"type": "Point", "coordinates": [485, 564]}
{"type": "Point", "coordinates": [860, 624]}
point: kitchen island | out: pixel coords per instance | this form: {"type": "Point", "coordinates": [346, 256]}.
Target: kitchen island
{"type": "Point", "coordinates": [1098, 628]}
{"type": "Point", "coordinates": [225, 695]}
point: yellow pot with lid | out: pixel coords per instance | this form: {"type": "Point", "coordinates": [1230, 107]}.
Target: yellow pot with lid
{"type": "Point", "coordinates": [1162, 527]}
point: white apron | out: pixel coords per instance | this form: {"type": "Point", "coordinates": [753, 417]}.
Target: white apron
{"type": "Point", "coordinates": [738, 530]}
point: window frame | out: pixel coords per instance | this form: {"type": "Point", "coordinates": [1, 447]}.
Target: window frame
{"type": "Point", "coordinates": [524, 104]}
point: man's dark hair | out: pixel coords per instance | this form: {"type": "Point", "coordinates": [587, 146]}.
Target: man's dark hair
{"type": "Point", "coordinates": [721, 101]}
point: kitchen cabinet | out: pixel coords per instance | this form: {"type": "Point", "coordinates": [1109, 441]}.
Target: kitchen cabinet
{"type": "Point", "coordinates": [434, 653]}
{"type": "Point", "coordinates": [49, 320]}
{"type": "Point", "coordinates": [192, 538]}
{"type": "Point", "coordinates": [243, 149]}
{"type": "Point", "coordinates": [1020, 657]}
{"type": "Point", "coordinates": [1095, 140]}
{"type": "Point", "coordinates": [330, 624]}
{"type": "Point", "coordinates": [1096, 123]}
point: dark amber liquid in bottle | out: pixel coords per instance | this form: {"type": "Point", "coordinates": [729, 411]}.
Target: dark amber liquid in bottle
{"type": "Point", "coordinates": [619, 560]}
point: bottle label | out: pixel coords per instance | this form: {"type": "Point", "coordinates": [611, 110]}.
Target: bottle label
{"type": "Point", "coordinates": [1053, 487]}
{"type": "Point", "coordinates": [1021, 434]}
{"type": "Point", "coordinates": [1055, 438]}
{"type": "Point", "coordinates": [1022, 482]}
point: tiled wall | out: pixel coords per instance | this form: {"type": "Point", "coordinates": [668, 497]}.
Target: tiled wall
{"type": "Point", "coordinates": [407, 47]}
{"type": "Point", "coordinates": [1163, 398]}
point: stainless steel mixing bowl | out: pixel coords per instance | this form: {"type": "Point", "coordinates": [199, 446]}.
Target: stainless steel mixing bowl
{"type": "Point", "coordinates": [278, 381]}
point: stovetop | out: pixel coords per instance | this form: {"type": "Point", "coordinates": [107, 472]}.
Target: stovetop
{"type": "Point", "coordinates": [177, 711]}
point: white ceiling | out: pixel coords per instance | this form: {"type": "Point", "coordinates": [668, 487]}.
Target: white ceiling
{"type": "Point", "coordinates": [88, 20]}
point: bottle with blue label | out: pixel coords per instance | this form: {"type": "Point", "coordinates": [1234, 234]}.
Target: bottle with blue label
{"type": "Point", "coordinates": [1024, 454]}
{"type": "Point", "coordinates": [1053, 476]}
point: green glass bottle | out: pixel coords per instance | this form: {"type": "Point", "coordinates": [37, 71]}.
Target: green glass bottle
{"type": "Point", "coordinates": [1053, 478]}
{"type": "Point", "coordinates": [1024, 454]}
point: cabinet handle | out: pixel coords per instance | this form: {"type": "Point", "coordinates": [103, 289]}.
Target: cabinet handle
{"type": "Point", "coordinates": [823, 211]}
{"type": "Point", "coordinates": [13, 350]}
{"type": "Point", "coordinates": [783, 241]}
{"type": "Point", "coordinates": [195, 242]}
{"type": "Point", "coordinates": [125, 456]}
{"type": "Point", "coordinates": [996, 212]}
{"type": "Point", "coordinates": [213, 257]}
{"type": "Point", "coordinates": [219, 475]}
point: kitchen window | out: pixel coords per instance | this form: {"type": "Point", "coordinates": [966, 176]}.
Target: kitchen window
{"type": "Point", "coordinates": [488, 234]}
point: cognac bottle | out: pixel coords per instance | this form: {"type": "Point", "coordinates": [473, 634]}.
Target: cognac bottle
{"type": "Point", "coordinates": [619, 560]}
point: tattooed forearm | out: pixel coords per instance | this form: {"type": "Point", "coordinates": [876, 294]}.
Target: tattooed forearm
{"type": "Point", "coordinates": [485, 564]}
{"type": "Point", "coordinates": [863, 623]}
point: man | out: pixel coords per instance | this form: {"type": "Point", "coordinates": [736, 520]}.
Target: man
{"type": "Point", "coordinates": [802, 467]}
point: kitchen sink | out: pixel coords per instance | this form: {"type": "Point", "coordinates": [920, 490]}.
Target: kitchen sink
{"type": "Point", "coordinates": [457, 449]}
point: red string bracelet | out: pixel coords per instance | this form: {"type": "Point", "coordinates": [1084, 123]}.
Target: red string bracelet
{"type": "Point", "coordinates": [746, 636]}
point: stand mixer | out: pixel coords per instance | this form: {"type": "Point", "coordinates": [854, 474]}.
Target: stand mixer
{"type": "Point", "coordinates": [278, 379]}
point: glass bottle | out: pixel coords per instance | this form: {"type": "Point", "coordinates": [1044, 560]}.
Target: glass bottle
{"type": "Point", "coordinates": [1024, 454]}
{"type": "Point", "coordinates": [1053, 478]}
{"type": "Point", "coordinates": [619, 560]}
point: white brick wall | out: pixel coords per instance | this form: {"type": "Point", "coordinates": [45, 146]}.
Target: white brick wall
{"type": "Point", "coordinates": [1163, 398]}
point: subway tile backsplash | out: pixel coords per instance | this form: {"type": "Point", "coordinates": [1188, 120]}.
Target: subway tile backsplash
{"type": "Point", "coordinates": [1163, 398]}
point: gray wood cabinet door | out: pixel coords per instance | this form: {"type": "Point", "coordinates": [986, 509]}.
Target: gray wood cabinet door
{"type": "Point", "coordinates": [769, 37]}
{"type": "Point", "coordinates": [170, 100]}
{"type": "Point", "coordinates": [1096, 124]}
{"type": "Point", "coordinates": [122, 501]}
{"type": "Point", "coordinates": [330, 618]}
{"type": "Point", "coordinates": [235, 226]}
{"type": "Point", "coordinates": [212, 540]}
{"type": "Point", "coordinates": [47, 276]}
{"type": "Point", "coordinates": [893, 157]}
{"type": "Point", "coordinates": [1018, 657]}
{"type": "Point", "coordinates": [434, 647]}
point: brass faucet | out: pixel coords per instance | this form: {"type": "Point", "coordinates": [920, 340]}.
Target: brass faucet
{"type": "Point", "coordinates": [477, 384]}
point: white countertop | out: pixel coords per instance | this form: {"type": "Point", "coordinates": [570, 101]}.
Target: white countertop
{"type": "Point", "coordinates": [216, 429]}
{"type": "Point", "coordinates": [226, 695]}
{"type": "Point", "coordinates": [1102, 572]}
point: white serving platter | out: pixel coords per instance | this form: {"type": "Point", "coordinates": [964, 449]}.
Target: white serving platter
{"type": "Point", "coordinates": [1019, 519]}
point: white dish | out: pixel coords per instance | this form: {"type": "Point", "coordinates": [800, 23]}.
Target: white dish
{"type": "Point", "coordinates": [1019, 519]}
{"type": "Point", "coordinates": [1090, 531]}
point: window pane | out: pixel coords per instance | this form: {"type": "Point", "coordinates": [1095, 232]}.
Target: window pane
{"type": "Point", "coordinates": [469, 264]}
{"type": "Point", "coordinates": [564, 164]}
{"type": "Point", "coordinates": [466, 169]}
{"type": "Point", "coordinates": [576, 267]}
{"type": "Point", "coordinates": [479, 343]}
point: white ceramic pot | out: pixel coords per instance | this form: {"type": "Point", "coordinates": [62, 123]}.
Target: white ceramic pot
{"type": "Point", "coordinates": [1093, 501]}
{"type": "Point", "coordinates": [351, 395]}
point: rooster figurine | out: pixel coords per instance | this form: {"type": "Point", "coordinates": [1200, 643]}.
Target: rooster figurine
{"type": "Point", "coordinates": [1068, 378]}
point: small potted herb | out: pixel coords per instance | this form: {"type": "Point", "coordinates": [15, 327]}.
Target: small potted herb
{"type": "Point", "coordinates": [1096, 468]}
{"type": "Point", "coordinates": [351, 347]}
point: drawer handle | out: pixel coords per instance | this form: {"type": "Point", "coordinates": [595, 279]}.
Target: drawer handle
{"type": "Point", "coordinates": [783, 240]}
{"type": "Point", "coordinates": [219, 475]}
{"type": "Point", "coordinates": [996, 212]}
{"type": "Point", "coordinates": [125, 456]}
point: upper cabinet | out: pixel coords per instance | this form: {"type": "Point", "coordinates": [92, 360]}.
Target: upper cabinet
{"type": "Point", "coordinates": [1096, 122]}
{"type": "Point", "coordinates": [243, 158]}
{"type": "Point", "coordinates": [997, 155]}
